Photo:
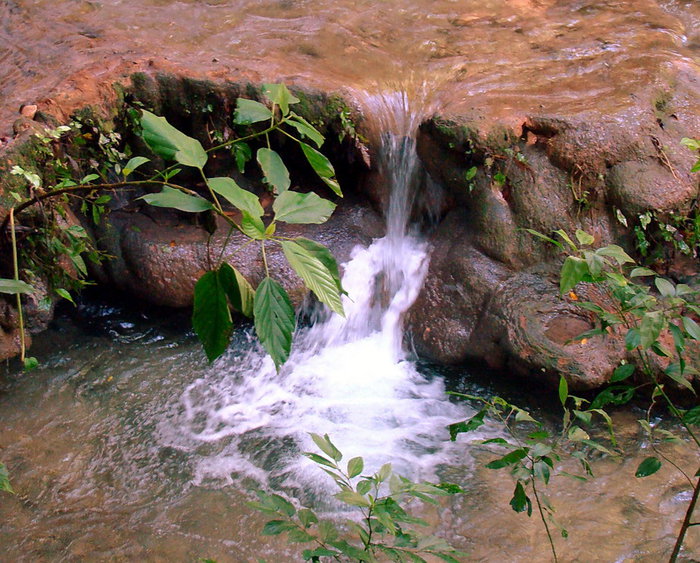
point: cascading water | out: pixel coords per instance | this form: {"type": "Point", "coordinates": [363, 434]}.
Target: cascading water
{"type": "Point", "coordinates": [347, 377]}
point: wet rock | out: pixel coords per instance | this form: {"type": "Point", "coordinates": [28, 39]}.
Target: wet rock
{"type": "Point", "coordinates": [160, 258]}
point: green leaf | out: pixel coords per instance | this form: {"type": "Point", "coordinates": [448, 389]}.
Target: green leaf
{"type": "Point", "coordinates": [170, 143]}
{"type": "Point", "coordinates": [305, 129]}
{"type": "Point", "coordinates": [352, 498]}
{"type": "Point", "coordinates": [648, 467]}
{"type": "Point", "coordinates": [239, 292]}
{"type": "Point", "coordinates": [315, 275]}
{"type": "Point", "coordinates": [241, 154]}
{"type": "Point", "coordinates": [622, 372]}
{"type": "Point", "coordinates": [583, 237]}
{"type": "Point", "coordinates": [175, 199]}
{"type": "Point", "coordinates": [355, 467]}
{"type": "Point", "coordinates": [63, 293]}
{"type": "Point", "coordinates": [692, 416]}
{"type": "Point", "coordinates": [133, 164]}
{"type": "Point", "coordinates": [30, 363]}
{"type": "Point", "coordinates": [250, 111]}
{"type": "Point", "coordinates": [675, 372]}
{"type": "Point", "coordinates": [14, 286]}
{"type": "Point", "coordinates": [314, 554]}
{"type": "Point", "coordinates": [539, 235]}
{"type": "Point", "coordinates": [326, 446]}
{"type": "Point", "coordinates": [572, 272]}
{"type": "Point", "coordinates": [467, 425]}
{"type": "Point", "coordinates": [276, 173]}
{"type": "Point", "coordinates": [616, 253]}
{"type": "Point", "coordinates": [692, 144]}
{"type": "Point", "coordinates": [274, 320]}
{"type": "Point", "coordinates": [324, 255]}
{"type": "Point", "coordinates": [283, 505]}
{"type": "Point", "coordinates": [651, 326]}
{"type": "Point", "coordinates": [211, 318]}
{"type": "Point", "coordinates": [276, 527]}
{"type": "Point", "coordinates": [252, 226]}
{"type": "Point", "coordinates": [5, 479]}
{"type": "Point", "coordinates": [520, 501]}
{"type": "Point", "coordinates": [632, 339]}
{"type": "Point", "coordinates": [641, 272]}
{"type": "Point", "coordinates": [469, 174]}
{"type": "Point", "coordinates": [294, 207]}
{"type": "Point", "coordinates": [322, 166]}
{"type": "Point", "coordinates": [541, 470]}
{"type": "Point", "coordinates": [238, 197]}
{"type": "Point", "coordinates": [690, 326]}
{"type": "Point", "coordinates": [665, 287]}
{"type": "Point", "coordinates": [280, 95]}
{"type": "Point", "coordinates": [320, 460]}
{"type": "Point", "coordinates": [566, 239]}
{"type": "Point", "coordinates": [563, 390]}
{"type": "Point", "coordinates": [508, 459]}
{"type": "Point", "coordinates": [678, 338]}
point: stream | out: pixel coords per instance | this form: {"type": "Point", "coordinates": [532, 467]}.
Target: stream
{"type": "Point", "coordinates": [124, 445]}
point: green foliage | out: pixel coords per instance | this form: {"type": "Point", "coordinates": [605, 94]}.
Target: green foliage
{"type": "Point", "coordinates": [5, 479]}
{"type": "Point", "coordinates": [222, 288]}
{"type": "Point", "coordinates": [531, 454]}
{"type": "Point", "coordinates": [384, 530]}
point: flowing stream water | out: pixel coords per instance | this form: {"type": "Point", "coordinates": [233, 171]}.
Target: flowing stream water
{"type": "Point", "coordinates": [125, 445]}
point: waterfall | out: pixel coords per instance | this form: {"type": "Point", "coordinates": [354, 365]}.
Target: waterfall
{"type": "Point", "coordinates": [348, 377]}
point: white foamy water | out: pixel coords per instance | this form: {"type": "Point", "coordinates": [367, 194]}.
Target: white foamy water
{"type": "Point", "coordinates": [348, 377]}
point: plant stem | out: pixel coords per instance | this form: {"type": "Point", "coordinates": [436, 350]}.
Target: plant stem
{"type": "Point", "coordinates": [543, 518]}
{"type": "Point", "coordinates": [686, 523]}
{"type": "Point", "coordinates": [15, 265]}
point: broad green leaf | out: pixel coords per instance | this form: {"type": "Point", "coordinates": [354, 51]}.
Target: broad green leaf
{"type": "Point", "coordinates": [616, 253]}
{"type": "Point", "coordinates": [239, 291]}
{"type": "Point", "coordinates": [632, 339]}
{"type": "Point", "coordinates": [299, 536]}
{"type": "Point", "coordinates": [584, 238]}
{"type": "Point", "coordinates": [469, 174]}
{"type": "Point", "coordinates": [63, 293]}
{"type": "Point", "coordinates": [238, 197]}
{"type": "Point", "coordinates": [314, 554]}
{"type": "Point", "coordinates": [175, 199]}
{"type": "Point", "coordinates": [5, 479]}
{"type": "Point", "coordinates": [563, 390]}
{"type": "Point", "coordinates": [692, 328]}
{"type": "Point", "coordinates": [305, 129]}
{"type": "Point", "coordinates": [320, 460]}
{"type": "Point", "coordinates": [577, 434]}
{"type": "Point", "coordinates": [242, 154]}
{"type": "Point", "coordinates": [678, 338]}
{"type": "Point", "coordinates": [283, 505]}
{"type": "Point", "coordinates": [467, 425]}
{"type": "Point", "coordinates": [280, 95]}
{"type": "Point", "coordinates": [326, 446]}
{"type": "Point", "coordinates": [315, 275]}
{"type": "Point", "coordinates": [253, 226]}
{"type": "Point", "coordinates": [274, 320]}
{"type": "Point", "coordinates": [650, 328]}
{"type": "Point", "coordinates": [674, 372]}
{"type": "Point", "coordinates": [14, 286]}
{"type": "Point", "coordinates": [641, 272]}
{"type": "Point", "coordinates": [595, 262]}
{"type": "Point", "coordinates": [692, 416]}
{"type": "Point", "coordinates": [541, 470]}
{"type": "Point", "coordinates": [665, 287]}
{"type": "Point", "coordinates": [324, 255]}
{"type": "Point", "coordinates": [211, 318]}
{"type": "Point", "coordinates": [692, 144]}
{"type": "Point", "coordinates": [648, 467]}
{"type": "Point", "coordinates": [307, 517]}
{"type": "Point", "coordinates": [276, 173]}
{"type": "Point", "coordinates": [622, 372]}
{"type": "Point", "coordinates": [30, 363]}
{"type": "Point", "coordinates": [355, 466]}
{"type": "Point", "coordinates": [508, 459]}
{"type": "Point", "coordinates": [572, 272]}
{"type": "Point", "coordinates": [520, 501]}
{"type": "Point", "coordinates": [294, 207]}
{"type": "Point", "coordinates": [250, 111]}
{"type": "Point", "coordinates": [133, 164]}
{"type": "Point", "coordinates": [170, 143]}
{"type": "Point", "coordinates": [276, 527]}
{"type": "Point", "coordinates": [352, 498]}
{"type": "Point", "coordinates": [322, 166]}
